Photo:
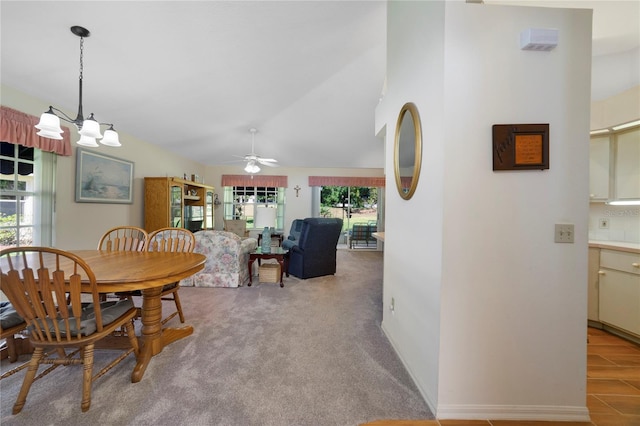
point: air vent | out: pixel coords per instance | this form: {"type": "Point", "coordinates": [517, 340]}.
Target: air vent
{"type": "Point", "coordinates": [544, 39]}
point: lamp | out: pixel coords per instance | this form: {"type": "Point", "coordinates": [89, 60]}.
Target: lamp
{"type": "Point", "coordinates": [216, 200]}
{"type": "Point", "coordinates": [265, 216]}
{"type": "Point", "coordinates": [89, 128]}
{"type": "Point", "coordinates": [252, 167]}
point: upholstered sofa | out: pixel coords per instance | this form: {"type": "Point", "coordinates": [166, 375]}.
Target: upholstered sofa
{"type": "Point", "coordinates": [227, 259]}
{"type": "Point", "coordinates": [315, 254]}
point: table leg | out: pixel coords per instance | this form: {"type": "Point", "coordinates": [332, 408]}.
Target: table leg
{"type": "Point", "coordinates": [281, 262]}
{"type": "Point", "coordinates": [154, 337]}
{"type": "Point", "coordinates": [286, 264]}
{"type": "Point", "coordinates": [251, 271]}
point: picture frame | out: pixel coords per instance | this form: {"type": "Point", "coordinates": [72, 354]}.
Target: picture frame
{"type": "Point", "coordinates": [520, 146]}
{"type": "Point", "coordinates": [101, 178]}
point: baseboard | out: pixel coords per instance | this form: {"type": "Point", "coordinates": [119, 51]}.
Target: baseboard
{"type": "Point", "coordinates": [613, 330]}
{"type": "Point", "coordinates": [621, 333]}
{"type": "Point", "coordinates": [513, 412]}
{"type": "Point", "coordinates": [430, 403]}
{"type": "Point", "coordinates": [494, 412]}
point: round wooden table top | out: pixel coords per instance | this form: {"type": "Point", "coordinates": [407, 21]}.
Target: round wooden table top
{"type": "Point", "coordinates": [133, 270]}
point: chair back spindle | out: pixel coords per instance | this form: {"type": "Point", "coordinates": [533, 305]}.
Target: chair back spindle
{"type": "Point", "coordinates": [123, 238]}
{"type": "Point", "coordinates": [171, 240]}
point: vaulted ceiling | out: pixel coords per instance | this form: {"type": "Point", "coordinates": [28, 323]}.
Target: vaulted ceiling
{"type": "Point", "coordinates": [195, 76]}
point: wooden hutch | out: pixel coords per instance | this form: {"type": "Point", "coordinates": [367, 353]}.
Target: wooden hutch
{"type": "Point", "coordinates": [177, 202]}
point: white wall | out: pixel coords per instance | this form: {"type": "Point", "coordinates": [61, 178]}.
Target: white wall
{"type": "Point", "coordinates": [490, 313]}
{"type": "Point", "coordinates": [80, 225]}
{"type": "Point", "coordinates": [412, 258]}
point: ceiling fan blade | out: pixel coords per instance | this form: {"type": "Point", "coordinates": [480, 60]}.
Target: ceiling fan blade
{"type": "Point", "coordinates": [254, 158]}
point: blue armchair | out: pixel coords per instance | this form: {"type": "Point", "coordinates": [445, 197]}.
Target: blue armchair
{"type": "Point", "coordinates": [294, 234]}
{"type": "Point", "coordinates": [315, 253]}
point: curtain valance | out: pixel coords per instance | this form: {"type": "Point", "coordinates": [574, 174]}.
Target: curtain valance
{"type": "Point", "coordinates": [362, 181]}
{"type": "Point", "coordinates": [254, 180]}
{"type": "Point", "coordinates": [18, 128]}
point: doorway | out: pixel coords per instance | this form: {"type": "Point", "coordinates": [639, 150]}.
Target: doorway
{"type": "Point", "coordinates": [355, 206]}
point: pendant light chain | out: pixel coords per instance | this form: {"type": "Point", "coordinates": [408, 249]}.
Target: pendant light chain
{"type": "Point", "coordinates": [81, 56]}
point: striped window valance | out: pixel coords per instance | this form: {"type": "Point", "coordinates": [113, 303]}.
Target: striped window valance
{"type": "Point", "coordinates": [254, 180]}
{"type": "Point", "coordinates": [362, 181]}
{"type": "Point", "coordinates": [18, 128]}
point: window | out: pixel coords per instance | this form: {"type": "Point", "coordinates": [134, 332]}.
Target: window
{"type": "Point", "coordinates": [352, 204]}
{"type": "Point", "coordinates": [26, 201]}
{"type": "Point", "coordinates": [245, 202]}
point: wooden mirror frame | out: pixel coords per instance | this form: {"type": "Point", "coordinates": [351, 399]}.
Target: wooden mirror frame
{"type": "Point", "coordinates": [415, 144]}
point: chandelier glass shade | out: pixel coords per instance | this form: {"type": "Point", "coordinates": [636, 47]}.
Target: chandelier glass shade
{"type": "Point", "coordinates": [89, 128]}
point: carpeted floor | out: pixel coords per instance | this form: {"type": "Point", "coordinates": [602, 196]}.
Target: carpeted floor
{"type": "Point", "coordinates": [311, 353]}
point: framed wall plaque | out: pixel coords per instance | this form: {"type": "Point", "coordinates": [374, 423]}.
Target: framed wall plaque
{"type": "Point", "coordinates": [520, 146]}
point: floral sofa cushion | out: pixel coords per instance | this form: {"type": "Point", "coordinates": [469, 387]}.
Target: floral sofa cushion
{"type": "Point", "coordinates": [227, 259]}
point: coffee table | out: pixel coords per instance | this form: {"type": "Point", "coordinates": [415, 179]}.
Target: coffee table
{"type": "Point", "coordinates": [277, 253]}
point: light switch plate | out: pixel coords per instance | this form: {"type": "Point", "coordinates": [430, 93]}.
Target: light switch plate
{"type": "Point", "coordinates": [564, 233]}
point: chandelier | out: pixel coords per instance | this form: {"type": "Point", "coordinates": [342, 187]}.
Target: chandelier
{"type": "Point", "coordinates": [89, 128]}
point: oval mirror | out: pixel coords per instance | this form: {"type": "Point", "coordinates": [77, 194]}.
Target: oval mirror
{"type": "Point", "coordinates": [407, 150]}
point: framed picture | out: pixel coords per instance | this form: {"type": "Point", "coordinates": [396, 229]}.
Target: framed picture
{"type": "Point", "coordinates": [101, 178]}
{"type": "Point", "coordinates": [520, 146]}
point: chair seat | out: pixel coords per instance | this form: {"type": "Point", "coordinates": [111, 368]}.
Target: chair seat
{"type": "Point", "coordinates": [11, 323]}
{"type": "Point", "coordinates": [8, 316]}
{"type": "Point", "coordinates": [111, 311]}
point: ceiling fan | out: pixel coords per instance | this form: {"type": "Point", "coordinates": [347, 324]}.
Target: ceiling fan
{"type": "Point", "coordinates": [253, 159]}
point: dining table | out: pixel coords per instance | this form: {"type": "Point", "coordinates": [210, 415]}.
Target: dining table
{"type": "Point", "coordinates": [117, 271]}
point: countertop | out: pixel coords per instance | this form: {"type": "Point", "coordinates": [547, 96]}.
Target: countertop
{"type": "Point", "coordinates": [616, 245]}
{"type": "Point", "coordinates": [378, 235]}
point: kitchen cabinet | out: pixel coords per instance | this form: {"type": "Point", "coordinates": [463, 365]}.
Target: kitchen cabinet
{"type": "Point", "coordinates": [627, 165]}
{"type": "Point", "coordinates": [176, 202]}
{"type": "Point", "coordinates": [614, 166]}
{"type": "Point", "coordinates": [599, 159]}
{"type": "Point", "coordinates": [592, 292]}
{"type": "Point", "coordinates": [619, 290]}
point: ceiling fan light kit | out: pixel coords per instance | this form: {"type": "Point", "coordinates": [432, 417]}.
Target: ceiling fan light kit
{"type": "Point", "coordinates": [252, 167]}
{"type": "Point", "coordinates": [89, 128]}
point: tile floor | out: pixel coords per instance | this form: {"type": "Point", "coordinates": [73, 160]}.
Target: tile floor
{"type": "Point", "coordinates": [613, 388]}
{"type": "Point", "coordinates": [613, 380]}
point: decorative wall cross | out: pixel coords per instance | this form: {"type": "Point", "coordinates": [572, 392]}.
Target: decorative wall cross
{"type": "Point", "coordinates": [297, 189]}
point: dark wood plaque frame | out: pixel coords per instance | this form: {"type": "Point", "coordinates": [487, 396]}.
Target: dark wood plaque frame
{"type": "Point", "coordinates": [520, 146]}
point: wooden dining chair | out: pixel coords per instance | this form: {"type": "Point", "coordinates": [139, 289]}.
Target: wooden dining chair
{"type": "Point", "coordinates": [237, 226]}
{"type": "Point", "coordinates": [11, 324]}
{"type": "Point", "coordinates": [170, 240]}
{"type": "Point", "coordinates": [123, 238]}
{"type": "Point", "coordinates": [37, 280]}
